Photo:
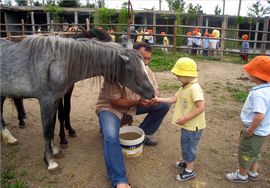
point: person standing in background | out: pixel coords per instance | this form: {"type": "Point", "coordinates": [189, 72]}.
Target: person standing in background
{"type": "Point", "coordinates": [166, 42]}
{"type": "Point", "coordinates": [244, 48]}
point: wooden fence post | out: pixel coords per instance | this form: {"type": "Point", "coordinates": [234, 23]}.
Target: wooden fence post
{"type": "Point", "coordinates": [23, 28]}
{"type": "Point", "coordinates": [52, 26]}
{"type": "Point", "coordinates": [222, 41]}
{"type": "Point", "coordinates": [87, 24]}
{"type": "Point", "coordinates": [33, 23]}
{"type": "Point", "coordinates": [6, 25]}
{"type": "Point", "coordinates": [174, 36]}
{"type": "Point", "coordinates": [264, 35]}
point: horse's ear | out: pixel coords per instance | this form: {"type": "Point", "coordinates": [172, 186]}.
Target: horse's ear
{"type": "Point", "coordinates": [124, 58]}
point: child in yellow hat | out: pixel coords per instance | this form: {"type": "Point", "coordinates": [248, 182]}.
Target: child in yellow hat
{"type": "Point", "coordinates": [255, 116]}
{"type": "Point", "coordinates": [188, 114]}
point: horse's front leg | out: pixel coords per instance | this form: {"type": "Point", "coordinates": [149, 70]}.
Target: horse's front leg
{"type": "Point", "coordinates": [5, 133]}
{"type": "Point", "coordinates": [61, 118]}
{"type": "Point", "coordinates": [48, 109]}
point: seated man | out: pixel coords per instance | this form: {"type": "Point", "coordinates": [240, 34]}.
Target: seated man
{"type": "Point", "coordinates": [115, 100]}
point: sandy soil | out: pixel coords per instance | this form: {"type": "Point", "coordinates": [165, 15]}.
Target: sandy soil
{"type": "Point", "coordinates": [82, 165]}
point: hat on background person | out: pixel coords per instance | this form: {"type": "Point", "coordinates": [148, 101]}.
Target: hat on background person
{"type": "Point", "coordinates": [259, 67]}
{"type": "Point", "coordinates": [185, 67]}
{"type": "Point", "coordinates": [245, 37]}
{"type": "Point", "coordinates": [216, 33]}
{"type": "Point", "coordinates": [206, 34]}
{"type": "Point", "coordinates": [189, 33]}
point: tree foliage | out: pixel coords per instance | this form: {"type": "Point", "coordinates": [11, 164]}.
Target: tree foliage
{"type": "Point", "coordinates": [122, 19]}
{"type": "Point", "coordinates": [100, 4]}
{"type": "Point", "coordinates": [217, 10]}
{"type": "Point", "coordinates": [178, 5]}
{"type": "Point", "coordinates": [258, 10]}
{"type": "Point", "coordinates": [104, 16]}
{"type": "Point", "coordinates": [21, 2]}
{"type": "Point", "coordinates": [69, 3]}
{"type": "Point", "coordinates": [55, 11]}
{"type": "Point", "coordinates": [37, 4]}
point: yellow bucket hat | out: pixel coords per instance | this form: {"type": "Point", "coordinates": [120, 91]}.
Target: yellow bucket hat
{"type": "Point", "coordinates": [185, 67]}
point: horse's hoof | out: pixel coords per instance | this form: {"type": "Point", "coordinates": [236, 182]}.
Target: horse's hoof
{"type": "Point", "coordinates": [13, 143]}
{"type": "Point", "coordinates": [64, 146]}
{"type": "Point", "coordinates": [21, 122]}
{"type": "Point", "coordinates": [72, 133]}
{"type": "Point", "coordinates": [63, 141]}
{"type": "Point", "coordinates": [59, 155]}
{"type": "Point", "coordinates": [55, 171]}
{"type": "Point", "coordinates": [22, 125]}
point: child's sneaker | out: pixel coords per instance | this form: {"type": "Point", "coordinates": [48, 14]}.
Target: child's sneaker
{"type": "Point", "coordinates": [253, 175]}
{"type": "Point", "coordinates": [236, 177]}
{"type": "Point", "coordinates": [180, 164]}
{"type": "Point", "coordinates": [185, 175]}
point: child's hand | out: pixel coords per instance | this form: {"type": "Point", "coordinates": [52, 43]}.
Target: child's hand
{"type": "Point", "coordinates": [181, 121]}
{"type": "Point", "coordinates": [249, 132]}
{"type": "Point", "coordinates": [240, 137]}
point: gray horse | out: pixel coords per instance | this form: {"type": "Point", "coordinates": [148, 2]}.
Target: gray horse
{"type": "Point", "coordinates": [45, 68]}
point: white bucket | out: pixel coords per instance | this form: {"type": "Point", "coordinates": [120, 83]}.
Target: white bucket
{"type": "Point", "coordinates": [131, 140]}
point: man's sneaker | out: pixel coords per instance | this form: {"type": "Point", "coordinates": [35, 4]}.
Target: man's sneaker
{"type": "Point", "coordinates": [253, 175]}
{"type": "Point", "coordinates": [180, 164]}
{"type": "Point", "coordinates": [150, 140]}
{"type": "Point", "coordinates": [235, 177]}
{"type": "Point", "coordinates": [185, 175]}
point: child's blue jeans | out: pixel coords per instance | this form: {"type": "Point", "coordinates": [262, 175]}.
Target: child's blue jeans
{"type": "Point", "coordinates": [189, 141]}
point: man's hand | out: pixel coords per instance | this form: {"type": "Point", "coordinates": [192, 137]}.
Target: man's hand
{"type": "Point", "coordinates": [147, 103]}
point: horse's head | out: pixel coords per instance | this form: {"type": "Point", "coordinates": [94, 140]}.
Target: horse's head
{"type": "Point", "coordinates": [134, 75]}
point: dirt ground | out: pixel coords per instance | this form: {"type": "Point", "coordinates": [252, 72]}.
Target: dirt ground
{"type": "Point", "coordinates": [83, 167]}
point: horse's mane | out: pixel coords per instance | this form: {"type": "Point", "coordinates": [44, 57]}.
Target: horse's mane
{"type": "Point", "coordinates": [92, 55]}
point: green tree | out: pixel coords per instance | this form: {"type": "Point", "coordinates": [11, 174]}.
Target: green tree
{"type": "Point", "coordinates": [178, 5]}
{"type": "Point", "coordinates": [100, 3]}
{"type": "Point", "coordinates": [217, 10]}
{"type": "Point", "coordinates": [21, 2]}
{"type": "Point", "coordinates": [51, 2]}
{"type": "Point", "coordinates": [55, 11]}
{"type": "Point", "coordinates": [69, 3]}
{"type": "Point", "coordinates": [122, 19]}
{"type": "Point", "coordinates": [90, 5]}
{"type": "Point", "coordinates": [192, 12]}
{"type": "Point", "coordinates": [124, 5]}
{"type": "Point", "coordinates": [104, 16]}
{"type": "Point", "coordinates": [258, 10]}
{"type": "Point", "coordinates": [37, 4]}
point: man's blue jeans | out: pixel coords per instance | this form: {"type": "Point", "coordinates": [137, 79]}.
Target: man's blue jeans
{"type": "Point", "coordinates": [110, 125]}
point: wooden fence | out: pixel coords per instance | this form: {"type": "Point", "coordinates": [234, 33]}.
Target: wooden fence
{"type": "Point", "coordinates": [23, 29]}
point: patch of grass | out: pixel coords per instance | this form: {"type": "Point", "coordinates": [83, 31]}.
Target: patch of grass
{"type": "Point", "coordinates": [237, 94]}
{"type": "Point", "coordinates": [166, 86]}
{"type": "Point", "coordinates": [17, 184]}
{"type": "Point", "coordinates": [162, 61]}
{"type": "Point", "coordinates": [41, 178]}
{"type": "Point", "coordinates": [7, 174]}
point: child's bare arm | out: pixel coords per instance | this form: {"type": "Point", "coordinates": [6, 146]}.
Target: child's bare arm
{"type": "Point", "coordinates": [170, 100]}
{"type": "Point", "coordinates": [198, 110]}
{"type": "Point", "coordinates": [258, 118]}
